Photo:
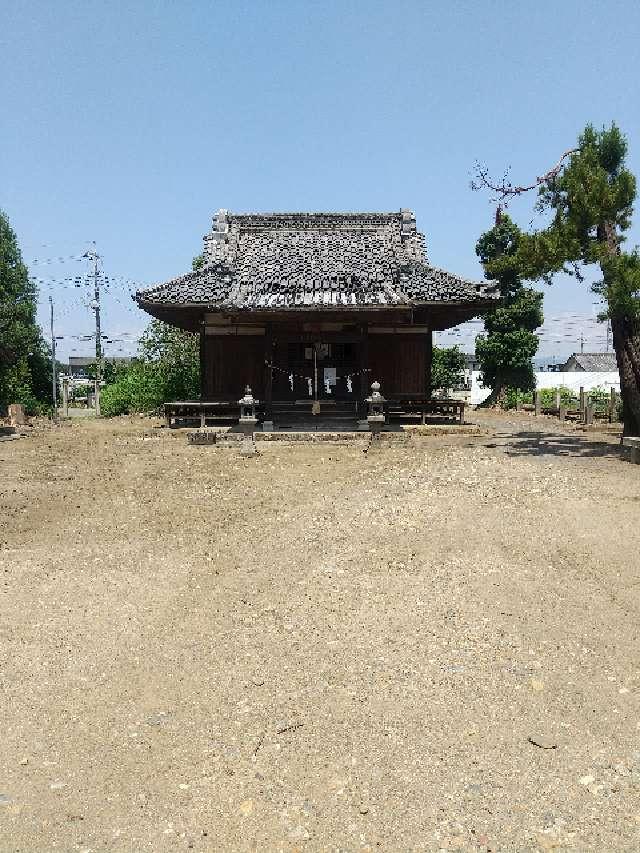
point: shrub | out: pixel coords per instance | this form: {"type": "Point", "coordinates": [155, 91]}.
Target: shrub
{"type": "Point", "coordinates": [138, 389]}
{"type": "Point", "coordinates": [168, 369]}
{"type": "Point", "coordinates": [599, 398]}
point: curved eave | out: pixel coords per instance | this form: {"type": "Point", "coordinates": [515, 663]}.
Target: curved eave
{"type": "Point", "coordinates": [439, 315]}
{"type": "Point", "coordinates": [188, 320]}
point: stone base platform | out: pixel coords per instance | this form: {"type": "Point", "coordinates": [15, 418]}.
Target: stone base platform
{"type": "Point", "coordinates": [395, 435]}
{"type": "Point", "coordinates": [443, 429]}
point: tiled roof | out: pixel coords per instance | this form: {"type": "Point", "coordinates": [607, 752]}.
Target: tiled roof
{"type": "Point", "coordinates": [592, 362]}
{"type": "Point", "coordinates": [309, 260]}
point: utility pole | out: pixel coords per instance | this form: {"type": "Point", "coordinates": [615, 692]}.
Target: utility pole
{"type": "Point", "coordinates": [54, 378]}
{"type": "Point", "coordinates": [93, 256]}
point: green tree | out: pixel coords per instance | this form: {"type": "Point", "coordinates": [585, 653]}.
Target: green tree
{"type": "Point", "coordinates": [167, 368]}
{"type": "Point", "coordinates": [506, 351]}
{"type": "Point", "coordinates": [592, 202]}
{"type": "Point", "coordinates": [175, 355]}
{"type": "Point", "coordinates": [447, 367]}
{"type": "Point", "coordinates": [590, 195]}
{"type": "Point", "coordinates": [25, 361]}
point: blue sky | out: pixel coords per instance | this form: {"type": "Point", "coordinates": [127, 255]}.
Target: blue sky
{"type": "Point", "coordinates": [131, 123]}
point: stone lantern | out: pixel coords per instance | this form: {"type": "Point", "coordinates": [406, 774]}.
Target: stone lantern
{"type": "Point", "coordinates": [375, 416]}
{"type": "Point", "coordinates": [248, 407]}
{"type": "Point", "coordinates": [248, 421]}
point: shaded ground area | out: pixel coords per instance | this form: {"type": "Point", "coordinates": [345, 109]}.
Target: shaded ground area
{"type": "Point", "coordinates": [427, 647]}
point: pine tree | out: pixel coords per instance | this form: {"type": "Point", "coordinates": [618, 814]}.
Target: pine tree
{"type": "Point", "coordinates": [590, 194]}
{"type": "Point", "coordinates": [506, 351]}
{"type": "Point", "coordinates": [592, 203]}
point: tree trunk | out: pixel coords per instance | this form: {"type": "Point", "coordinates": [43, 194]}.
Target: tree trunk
{"type": "Point", "coordinates": [626, 342]}
{"type": "Point", "coordinates": [496, 398]}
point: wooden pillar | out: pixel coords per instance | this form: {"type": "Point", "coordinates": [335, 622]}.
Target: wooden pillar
{"type": "Point", "coordinates": [537, 398]}
{"type": "Point", "coordinates": [558, 399]}
{"type": "Point", "coordinates": [428, 363]}
{"type": "Point", "coordinates": [65, 397]}
{"type": "Point", "coordinates": [268, 373]}
{"type": "Point", "coordinates": [203, 362]}
{"type": "Point", "coordinates": [562, 413]}
{"type": "Point", "coordinates": [365, 377]}
{"type": "Point", "coordinates": [583, 404]}
{"type": "Point", "coordinates": [613, 406]}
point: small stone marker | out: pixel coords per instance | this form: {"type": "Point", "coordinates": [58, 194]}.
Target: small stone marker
{"type": "Point", "coordinates": [633, 444]}
{"type": "Point", "coordinates": [16, 414]}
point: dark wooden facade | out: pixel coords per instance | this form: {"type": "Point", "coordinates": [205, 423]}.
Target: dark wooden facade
{"type": "Point", "coordinates": [285, 360]}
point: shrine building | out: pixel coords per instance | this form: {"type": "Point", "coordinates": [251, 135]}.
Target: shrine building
{"type": "Point", "coordinates": [309, 308]}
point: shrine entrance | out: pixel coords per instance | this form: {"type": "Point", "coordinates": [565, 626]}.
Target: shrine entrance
{"type": "Point", "coordinates": [316, 370]}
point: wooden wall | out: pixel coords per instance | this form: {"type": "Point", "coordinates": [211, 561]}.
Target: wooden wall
{"type": "Point", "coordinates": [400, 363]}
{"type": "Point", "coordinates": [229, 363]}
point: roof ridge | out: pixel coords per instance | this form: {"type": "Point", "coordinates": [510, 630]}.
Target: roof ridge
{"type": "Point", "coordinates": [306, 214]}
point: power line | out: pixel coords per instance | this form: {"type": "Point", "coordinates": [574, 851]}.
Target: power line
{"type": "Point", "coordinates": [55, 260]}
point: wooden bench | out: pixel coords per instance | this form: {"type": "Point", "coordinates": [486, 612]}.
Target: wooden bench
{"type": "Point", "coordinates": [633, 444]}
{"type": "Point", "coordinates": [201, 410]}
{"type": "Point", "coordinates": [402, 406]}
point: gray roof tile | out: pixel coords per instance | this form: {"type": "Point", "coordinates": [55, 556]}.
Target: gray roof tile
{"type": "Point", "coordinates": [592, 362]}
{"type": "Point", "coordinates": [303, 260]}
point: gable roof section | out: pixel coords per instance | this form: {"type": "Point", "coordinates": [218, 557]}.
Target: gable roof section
{"type": "Point", "coordinates": [592, 362]}
{"type": "Point", "coordinates": [289, 261]}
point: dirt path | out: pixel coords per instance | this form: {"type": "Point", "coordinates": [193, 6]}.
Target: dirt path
{"type": "Point", "coordinates": [317, 649]}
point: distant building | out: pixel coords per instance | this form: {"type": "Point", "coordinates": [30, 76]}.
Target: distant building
{"type": "Point", "coordinates": [472, 362]}
{"type": "Point", "coordinates": [471, 366]}
{"type": "Point", "coordinates": [79, 364]}
{"type": "Point", "coordinates": [591, 362]}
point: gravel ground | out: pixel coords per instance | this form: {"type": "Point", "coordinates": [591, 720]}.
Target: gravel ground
{"type": "Point", "coordinates": [427, 647]}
